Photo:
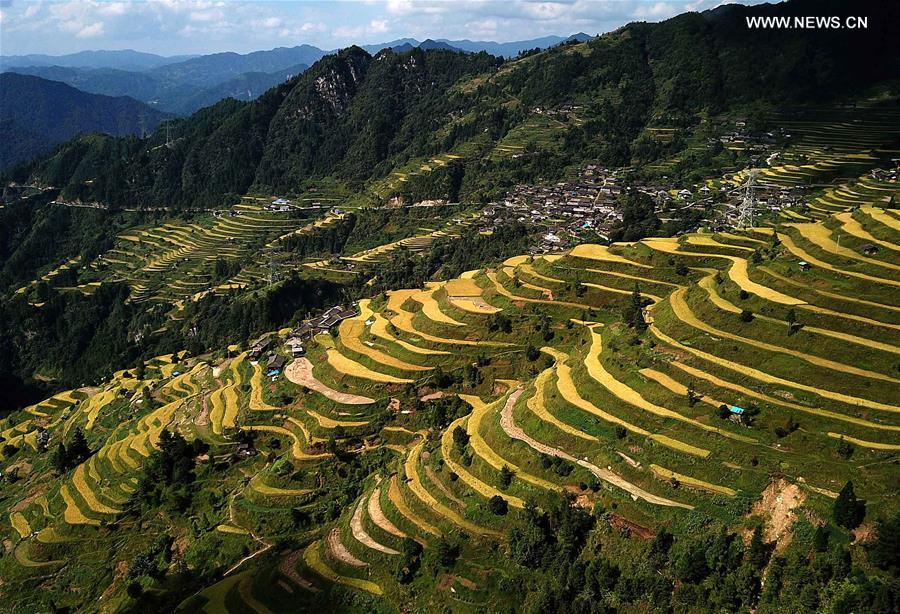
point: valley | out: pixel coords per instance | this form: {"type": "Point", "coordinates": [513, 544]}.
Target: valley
{"type": "Point", "coordinates": [610, 326]}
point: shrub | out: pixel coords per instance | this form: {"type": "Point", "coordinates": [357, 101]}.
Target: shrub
{"type": "Point", "coordinates": [848, 511]}
{"type": "Point", "coordinates": [505, 478]}
{"type": "Point", "coordinates": [498, 505]}
{"type": "Point", "coordinates": [460, 439]}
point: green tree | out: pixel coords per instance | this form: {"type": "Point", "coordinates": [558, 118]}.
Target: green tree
{"type": "Point", "coordinates": [446, 553]}
{"type": "Point", "coordinates": [460, 439]}
{"type": "Point", "coordinates": [844, 449]}
{"type": "Point", "coordinates": [848, 511]}
{"type": "Point", "coordinates": [820, 538]}
{"type": "Point", "coordinates": [757, 554]}
{"type": "Point", "coordinates": [885, 550]}
{"type": "Point", "coordinates": [498, 505]}
{"type": "Point", "coordinates": [78, 450]}
{"type": "Point", "coordinates": [505, 477]}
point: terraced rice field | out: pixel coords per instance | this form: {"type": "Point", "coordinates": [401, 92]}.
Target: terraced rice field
{"type": "Point", "coordinates": [647, 421]}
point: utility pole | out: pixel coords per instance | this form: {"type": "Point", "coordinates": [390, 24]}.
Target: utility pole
{"type": "Point", "coordinates": [748, 204]}
{"type": "Point", "coordinates": [271, 264]}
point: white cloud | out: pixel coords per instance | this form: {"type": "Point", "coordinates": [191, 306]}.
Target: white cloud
{"type": "Point", "coordinates": [356, 34]}
{"type": "Point", "coordinates": [32, 10]}
{"type": "Point", "coordinates": [207, 26]}
{"type": "Point", "coordinates": [270, 22]}
{"type": "Point", "coordinates": [345, 32]}
{"type": "Point", "coordinates": [482, 28]}
{"type": "Point", "coordinates": [206, 15]}
{"type": "Point", "coordinates": [114, 9]}
{"type": "Point", "coordinates": [658, 10]}
{"type": "Point", "coordinates": [91, 31]}
{"type": "Point", "coordinates": [545, 10]}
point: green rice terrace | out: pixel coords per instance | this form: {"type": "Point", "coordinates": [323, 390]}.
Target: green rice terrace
{"type": "Point", "coordinates": [636, 407]}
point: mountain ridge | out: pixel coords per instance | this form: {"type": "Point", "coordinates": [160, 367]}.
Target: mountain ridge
{"type": "Point", "coordinates": [679, 68]}
{"type": "Point", "coordinates": [38, 114]}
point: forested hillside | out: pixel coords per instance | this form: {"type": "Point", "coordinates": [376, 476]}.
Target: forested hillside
{"type": "Point", "coordinates": [36, 114]}
{"type": "Point", "coordinates": [356, 117]}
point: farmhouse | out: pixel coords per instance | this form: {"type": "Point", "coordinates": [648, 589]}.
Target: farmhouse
{"type": "Point", "coordinates": [295, 344]}
{"type": "Point", "coordinates": [275, 364]}
{"type": "Point", "coordinates": [738, 415]}
{"type": "Point", "coordinates": [322, 323]}
{"type": "Point", "coordinates": [258, 348]}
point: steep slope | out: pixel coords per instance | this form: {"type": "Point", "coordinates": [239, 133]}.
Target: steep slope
{"type": "Point", "coordinates": [699, 417]}
{"type": "Point", "coordinates": [37, 114]}
{"type": "Point", "coordinates": [357, 117]}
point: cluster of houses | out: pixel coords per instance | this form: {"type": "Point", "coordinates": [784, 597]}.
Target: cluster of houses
{"type": "Point", "coordinates": [265, 349]}
{"type": "Point", "coordinates": [567, 109]}
{"type": "Point", "coordinates": [274, 361]}
{"type": "Point", "coordinates": [322, 324]}
{"type": "Point", "coordinates": [880, 174]}
{"type": "Point", "coordinates": [564, 208]}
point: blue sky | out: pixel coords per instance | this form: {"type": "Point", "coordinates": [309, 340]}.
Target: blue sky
{"type": "Point", "coordinates": [170, 27]}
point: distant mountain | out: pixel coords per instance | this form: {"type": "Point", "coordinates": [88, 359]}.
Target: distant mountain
{"type": "Point", "coordinates": [246, 86]}
{"type": "Point", "coordinates": [125, 59]}
{"type": "Point", "coordinates": [433, 44]}
{"type": "Point", "coordinates": [168, 95]}
{"type": "Point", "coordinates": [355, 117]}
{"type": "Point", "coordinates": [506, 50]}
{"type": "Point", "coordinates": [179, 84]}
{"type": "Point", "coordinates": [512, 49]}
{"type": "Point", "coordinates": [105, 81]}
{"type": "Point", "coordinates": [36, 114]}
{"type": "Point", "coordinates": [398, 46]}
{"type": "Point", "coordinates": [210, 70]}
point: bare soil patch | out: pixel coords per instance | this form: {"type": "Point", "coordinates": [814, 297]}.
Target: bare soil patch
{"type": "Point", "coordinates": [777, 507]}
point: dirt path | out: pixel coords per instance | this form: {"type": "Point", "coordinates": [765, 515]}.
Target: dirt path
{"type": "Point", "coordinates": [378, 517]}
{"type": "Point", "coordinates": [339, 551]}
{"type": "Point", "coordinates": [507, 423]}
{"type": "Point", "coordinates": [359, 532]}
{"type": "Point", "coordinates": [202, 418]}
{"type": "Point", "coordinates": [288, 568]}
{"type": "Point", "coordinates": [429, 472]}
{"type": "Point", "coordinates": [300, 372]}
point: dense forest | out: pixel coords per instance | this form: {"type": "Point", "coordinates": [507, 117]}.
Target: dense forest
{"type": "Point", "coordinates": [355, 117]}
{"type": "Point", "coordinates": [36, 114]}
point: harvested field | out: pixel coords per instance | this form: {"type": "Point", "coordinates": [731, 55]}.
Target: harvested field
{"type": "Point", "coordinates": [359, 532]}
{"type": "Point", "coordinates": [770, 379]}
{"type": "Point", "coordinates": [683, 312]}
{"type": "Point", "coordinates": [415, 485]}
{"type": "Point", "coordinates": [300, 372]}
{"type": "Point", "coordinates": [629, 395]}
{"type": "Point", "coordinates": [378, 517]}
{"type": "Point", "coordinates": [485, 490]}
